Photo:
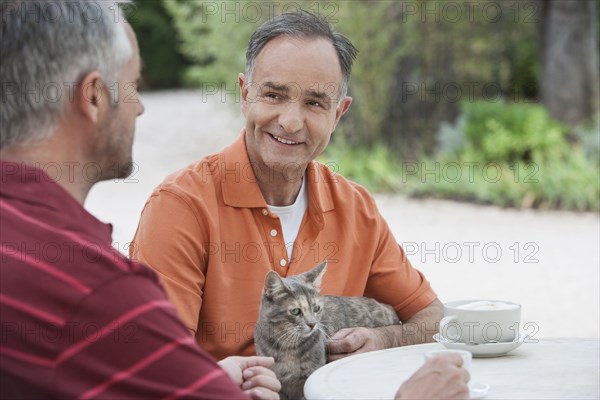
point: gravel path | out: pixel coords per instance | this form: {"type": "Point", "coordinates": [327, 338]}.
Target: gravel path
{"type": "Point", "coordinates": [547, 261]}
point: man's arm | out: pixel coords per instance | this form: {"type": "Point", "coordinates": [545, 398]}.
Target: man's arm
{"type": "Point", "coordinates": [169, 239]}
{"type": "Point", "coordinates": [125, 341]}
{"type": "Point", "coordinates": [418, 329]}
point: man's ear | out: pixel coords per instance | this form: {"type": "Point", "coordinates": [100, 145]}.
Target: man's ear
{"type": "Point", "coordinates": [341, 110]}
{"type": "Point", "coordinates": [244, 90]}
{"type": "Point", "coordinates": [91, 97]}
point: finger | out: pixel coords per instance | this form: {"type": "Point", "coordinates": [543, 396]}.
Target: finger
{"type": "Point", "coordinates": [256, 371]}
{"type": "Point", "coordinates": [339, 347]}
{"type": "Point", "coordinates": [256, 361]}
{"type": "Point", "coordinates": [349, 344]}
{"type": "Point", "coordinates": [262, 381]}
{"type": "Point", "coordinates": [342, 333]}
{"type": "Point", "coordinates": [453, 359]}
{"type": "Point", "coordinates": [262, 394]}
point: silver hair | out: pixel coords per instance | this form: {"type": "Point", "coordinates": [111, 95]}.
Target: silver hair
{"type": "Point", "coordinates": [47, 48]}
{"type": "Point", "coordinates": [302, 25]}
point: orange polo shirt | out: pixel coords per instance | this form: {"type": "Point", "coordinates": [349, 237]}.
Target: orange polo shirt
{"type": "Point", "coordinates": [208, 233]}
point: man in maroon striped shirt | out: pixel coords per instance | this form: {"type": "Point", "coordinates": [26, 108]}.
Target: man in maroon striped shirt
{"type": "Point", "coordinates": [78, 319]}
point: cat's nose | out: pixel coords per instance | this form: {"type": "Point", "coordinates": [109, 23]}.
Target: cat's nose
{"type": "Point", "coordinates": [311, 324]}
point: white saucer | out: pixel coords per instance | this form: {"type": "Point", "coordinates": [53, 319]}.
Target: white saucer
{"type": "Point", "coordinates": [482, 350]}
{"type": "Point", "coordinates": [478, 390]}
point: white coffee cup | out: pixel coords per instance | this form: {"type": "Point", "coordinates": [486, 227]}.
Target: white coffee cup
{"type": "Point", "coordinates": [480, 321]}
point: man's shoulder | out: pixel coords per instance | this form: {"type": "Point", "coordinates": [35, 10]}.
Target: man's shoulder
{"type": "Point", "coordinates": [329, 177]}
{"type": "Point", "coordinates": [198, 176]}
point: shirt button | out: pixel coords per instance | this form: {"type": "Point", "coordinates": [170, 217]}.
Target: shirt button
{"type": "Point", "coordinates": [282, 262]}
{"type": "Point", "coordinates": [265, 212]}
{"type": "Point", "coordinates": [273, 232]}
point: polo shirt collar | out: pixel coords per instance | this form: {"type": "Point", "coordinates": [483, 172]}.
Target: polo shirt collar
{"type": "Point", "coordinates": [32, 185]}
{"type": "Point", "coordinates": [241, 190]}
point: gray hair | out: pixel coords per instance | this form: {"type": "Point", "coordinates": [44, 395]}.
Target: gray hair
{"type": "Point", "coordinates": [47, 47]}
{"type": "Point", "coordinates": [302, 25]}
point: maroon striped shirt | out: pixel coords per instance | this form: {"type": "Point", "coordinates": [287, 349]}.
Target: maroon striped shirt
{"type": "Point", "coordinates": [78, 319]}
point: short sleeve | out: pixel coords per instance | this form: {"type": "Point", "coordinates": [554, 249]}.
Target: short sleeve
{"type": "Point", "coordinates": [169, 239]}
{"type": "Point", "coordinates": [393, 280]}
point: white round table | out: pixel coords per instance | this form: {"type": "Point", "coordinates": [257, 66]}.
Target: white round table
{"type": "Point", "coordinates": [556, 368]}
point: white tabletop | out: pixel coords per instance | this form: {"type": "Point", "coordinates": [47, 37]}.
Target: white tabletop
{"type": "Point", "coordinates": [561, 368]}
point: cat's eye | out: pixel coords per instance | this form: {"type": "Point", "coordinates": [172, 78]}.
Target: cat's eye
{"type": "Point", "coordinates": [316, 308]}
{"type": "Point", "coordinates": [295, 311]}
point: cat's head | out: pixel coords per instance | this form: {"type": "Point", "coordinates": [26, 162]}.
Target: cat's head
{"type": "Point", "coordinates": [293, 304]}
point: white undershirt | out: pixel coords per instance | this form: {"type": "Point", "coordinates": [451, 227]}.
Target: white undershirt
{"type": "Point", "coordinates": [291, 217]}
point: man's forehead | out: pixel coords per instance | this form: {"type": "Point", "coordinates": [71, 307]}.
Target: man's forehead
{"type": "Point", "coordinates": [304, 53]}
{"type": "Point", "coordinates": [311, 64]}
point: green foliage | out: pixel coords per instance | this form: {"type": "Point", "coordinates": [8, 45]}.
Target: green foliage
{"type": "Point", "coordinates": [214, 35]}
{"type": "Point", "coordinates": [375, 168]}
{"type": "Point", "coordinates": [511, 132]}
{"type": "Point", "coordinates": [164, 64]}
{"type": "Point", "coordinates": [513, 155]}
{"type": "Point", "coordinates": [508, 155]}
{"type": "Point", "coordinates": [379, 54]}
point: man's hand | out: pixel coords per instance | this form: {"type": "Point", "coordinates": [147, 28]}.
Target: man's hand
{"type": "Point", "coordinates": [349, 341]}
{"type": "Point", "coordinates": [253, 375]}
{"type": "Point", "coordinates": [441, 377]}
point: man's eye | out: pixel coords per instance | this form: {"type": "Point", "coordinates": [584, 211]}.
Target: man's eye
{"type": "Point", "coordinates": [273, 96]}
{"type": "Point", "coordinates": [314, 104]}
{"type": "Point", "coordinates": [295, 311]}
{"type": "Point", "coordinates": [316, 308]}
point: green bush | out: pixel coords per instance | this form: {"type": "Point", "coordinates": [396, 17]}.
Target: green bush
{"type": "Point", "coordinates": [511, 155]}
{"type": "Point", "coordinates": [502, 132]}
{"type": "Point", "coordinates": [164, 64]}
{"type": "Point", "coordinates": [532, 163]}
{"type": "Point", "coordinates": [374, 168]}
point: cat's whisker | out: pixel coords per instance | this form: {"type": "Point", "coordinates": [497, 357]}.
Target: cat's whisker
{"type": "Point", "coordinates": [322, 329]}
{"type": "Point", "coordinates": [297, 322]}
{"type": "Point", "coordinates": [289, 338]}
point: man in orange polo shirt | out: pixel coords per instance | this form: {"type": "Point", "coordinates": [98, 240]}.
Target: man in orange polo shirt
{"type": "Point", "coordinates": [214, 229]}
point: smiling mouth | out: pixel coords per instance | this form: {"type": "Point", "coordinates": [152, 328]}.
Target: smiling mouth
{"type": "Point", "coordinates": [284, 141]}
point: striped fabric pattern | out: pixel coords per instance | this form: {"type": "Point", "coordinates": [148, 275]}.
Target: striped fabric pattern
{"type": "Point", "coordinates": [78, 319]}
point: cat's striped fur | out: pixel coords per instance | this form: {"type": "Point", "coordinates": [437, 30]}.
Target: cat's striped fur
{"type": "Point", "coordinates": [294, 321]}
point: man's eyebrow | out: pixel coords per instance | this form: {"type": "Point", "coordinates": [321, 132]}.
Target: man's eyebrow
{"type": "Point", "coordinates": [276, 86]}
{"type": "Point", "coordinates": [318, 95]}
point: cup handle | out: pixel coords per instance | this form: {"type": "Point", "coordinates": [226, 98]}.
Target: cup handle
{"type": "Point", "coordinates": [445, 321]}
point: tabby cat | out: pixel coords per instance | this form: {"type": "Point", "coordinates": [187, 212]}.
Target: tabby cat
{"type": "Point", "coordinates": [294, 321]}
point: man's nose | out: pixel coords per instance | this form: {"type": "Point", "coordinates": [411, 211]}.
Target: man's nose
{"type": "Point", "coordinates": [291, 118]}
{"type": "Point", "coordinates": [141, 107]}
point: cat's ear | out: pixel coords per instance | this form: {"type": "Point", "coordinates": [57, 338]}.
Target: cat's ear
{"type": "Point", "coordinates": [315, 275]}
{"type": "Point", "coordinates": [273, 284]}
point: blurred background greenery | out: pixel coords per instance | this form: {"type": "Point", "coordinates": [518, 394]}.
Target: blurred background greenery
{"type": "Point", "coordinates": [488, 101]}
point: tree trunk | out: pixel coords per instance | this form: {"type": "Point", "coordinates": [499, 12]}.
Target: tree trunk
{"type": "Point", "coordinates": [568, 59]}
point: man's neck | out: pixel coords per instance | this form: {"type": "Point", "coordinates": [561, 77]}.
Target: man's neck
{"type": "Point", "coordinates": [70, 174]}
{"type": "Point", "coordinates": [280, 187]}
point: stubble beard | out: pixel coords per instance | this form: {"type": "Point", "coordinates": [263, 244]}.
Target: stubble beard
{"type": "Point", "coordinates": [114, 151]}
